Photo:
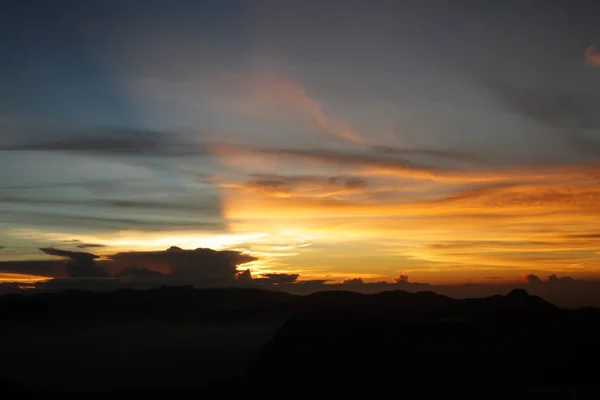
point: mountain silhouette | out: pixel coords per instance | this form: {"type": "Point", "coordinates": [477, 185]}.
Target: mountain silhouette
{"type": "Point", "coordinates": [173, 338]}
{"type": "Point", "coordinates": [427, 339]}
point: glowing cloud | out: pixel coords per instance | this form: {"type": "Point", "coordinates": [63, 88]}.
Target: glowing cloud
{"type": "Point", "coordinates": [592, 58]}
{"type": "Point", "coordinates": [279, 99]}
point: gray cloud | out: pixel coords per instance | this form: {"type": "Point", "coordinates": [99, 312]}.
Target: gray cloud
{"type": "Point", "coordinates": [48, 268]}
{"type": "Point", "coordinates": [192, 265]}
{"type": "Point", "coordinates": [174, 265]}
{"type": "Point", "coordinates": [443, 154]}
{"type": "Point", "coordinates": [278, 279]}
{"type": "Point", "coordinates": [572, 117]}
{"type": "Point", "coordinates": [80, 264]}
{"type": "Point", "coordinates": [140, 273]}
{"type": "Point", "coordinates": [112, 142]}
{"type": "Point", "coordinates": [291, 183]}
{"type": "Point", "coordinates": [9, 288]}
{"type": "Point", "coordinates": [337, 157]}
{"type": "Point", "coordinates": [33, 218]}
{"type": "Point", "coordinates": [90, 245]}
{"type": "Point", "coordinates": [208, 203]}
{"type": "Point", "coordinates": [353, 281]}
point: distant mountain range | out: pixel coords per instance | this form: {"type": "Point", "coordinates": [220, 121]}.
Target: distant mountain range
{"type": "Point", "coordinates": [412, 341]}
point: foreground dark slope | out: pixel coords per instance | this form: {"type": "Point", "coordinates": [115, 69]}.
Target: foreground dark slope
{"type": "Point", "coordinates": [427, 340]}
{"type": "Point", "coordinates": [176, 338]}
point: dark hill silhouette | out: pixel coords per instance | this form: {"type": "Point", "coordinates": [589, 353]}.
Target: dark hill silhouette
{"type": "Point", "coordinates": [432, 341]}
{"type": "Point", "coordinates": [174, 338]}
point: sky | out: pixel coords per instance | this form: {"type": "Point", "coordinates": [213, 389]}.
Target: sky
{"type": "Point", "coordinates": [456, 142]}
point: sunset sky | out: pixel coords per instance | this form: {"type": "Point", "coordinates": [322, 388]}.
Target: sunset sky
{"type": "Point", "coordinates": [455, 141]}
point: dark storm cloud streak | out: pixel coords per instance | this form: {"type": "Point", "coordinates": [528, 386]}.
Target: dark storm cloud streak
{"type": "Point", "coordinates": [74, 255]}
{"type": "Point", "coordinates": [113, 142]}
{"type": "Point", "coordinates": [90, 245]}
{"type": "Point", "coordinates": [77, 221]}
{"type": "Point", "coordinates": [111, 147]}
{"type": "Point", "coordinates": [115, 203]}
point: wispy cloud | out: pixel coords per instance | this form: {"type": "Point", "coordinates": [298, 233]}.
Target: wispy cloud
{"type": "Point", "coordinates": [111, 142]}
{"type": "Point", "coordinates": [279, 99]}
{"type": "Point", "coordinates": [592, 58]}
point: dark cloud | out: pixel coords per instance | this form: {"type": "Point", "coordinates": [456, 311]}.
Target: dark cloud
{"type": "Point", "coordinates": [53, 219]}
{"type": "Point", "coordinates": [193, 265]}
{"type": "Point", "coordinates": [402, 278]}
{"type": "Point", "coordinates": [100, 185]}
{"type": "Point", "coordinates": [291, 183]}
{"type": "Point", "coordinates": [140, 273]}
{"type": "Point", "coordinates": [80, 264]}
{"type": "Point", "coordinates": [199, 266]}
{"type": "Point", "coordinates": [95, 284]}
{"type": "Point", "coordinates": [353, 281]}
{"type": "Point", "coordinates": [244, 275]}
{"type": "Point", "coordinates": [112, 142]}
{"type": "Point", "coordinates": [90, 245]}
{"type": "Point", "coordinates": [532, 279]}
{"type": "Point", "coordinates": [208, 204]}
{"type": "Point", "coordinates": [48, 268]}
{"type": "Point", "coordinates": [278, 279]}
{"type": "Point", "coordinates": [9, 288]}
{"type": "Point", "coordinates": [356, 159]}
{"type": "Point", "coordinates": [312, 282]}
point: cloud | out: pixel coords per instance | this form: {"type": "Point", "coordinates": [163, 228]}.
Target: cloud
{"type": "Point", "coordinates": [174, 265]}
{"type": "Point", "coordinates": [278, 99]}
{"type": "Point", "coordinates": [278, 279]}
{"type": "Point", "coordinates": [332, 157]}
{"type": "Point", "coordinates": [353, 281]}
{"type": "Point", "coordinates": [150, 223]}
{"type": "Point", "coordinates": [9, 288]}
{"type": "Point", "coordinates": [140, 273]}
{"type": "Point", "coordinates": [244, 275]}
{"type": "Point", "coordinates": [532, 279]}
{"type": "Point", "coordinates": [570, 117]}
{"type": "Point", "coordinates": [112, 142]}
{"type": "Point", "coordinates": [554, 109]}
{"type": "Point", "coordinates": [435, 153]}
{"type": "Point", "coordinates": [592, 58]}
{"type": "Point", "coordinates": [90, 245]}
{"type": "Point", "coordinates": [80, 264]}
{"type": "Point", "coordinates": [188, 265]}
{"type": "Point", "coordinates": [35, 268]}
{"type": "Point", "coordinates": [402, 278]}
{"type": "Point", "coordinates": [285, 185]}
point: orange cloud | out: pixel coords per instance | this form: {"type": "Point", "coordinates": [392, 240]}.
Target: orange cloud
{"type": "Point", "coordinates": [522, 219]}
{"type": "Point", "coordinates": [280, 99]}
{"type": "Point", "coordinates": [592, 58]}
